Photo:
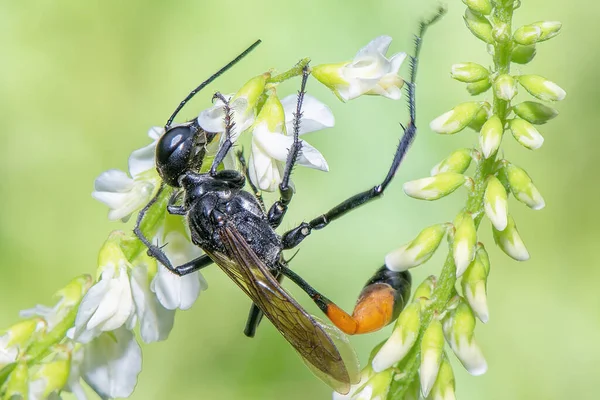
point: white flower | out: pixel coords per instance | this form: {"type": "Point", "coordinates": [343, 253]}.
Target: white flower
{"type": "Point", "coordinates": [369, 73]}
{"type": "Point", "coordinates": [173, 291]}
{"type": "Point", "coordinates": [125, 194]}
{"type": "Point", "coordinates": [271, 141]}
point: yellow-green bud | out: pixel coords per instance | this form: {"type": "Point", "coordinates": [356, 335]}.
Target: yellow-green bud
{"type": "Point", "coordinates": [252, 90]}
{"type": "Point", "coordinates": [495, 203]}
{"type": "Point", "coordinates": [74, 291]}
{"type": "Point", "coordinates": [272, 113]}
{"type": "Point", "coordinates": [490, 136]}
{"type": "Point", "coordinates": [458, 161]}
{"type": "Point", "coordinates": [456, 119]}
{"type": "Point", "coordinates": [401, 340]}
{"type": "Point", "coordinates": [522, 54]}
{"type": "Point", "coordinates": [52, 376]}
{"type": "Point", "coordinates": [525, 133]}
{"type": "Point", "coordinates": [479, 6]}
{"type": "Point", "coordinates": [443, 389]}
{"type": "Point", "coordinates": [549, 29]}
{"type": "Point", "coordinates": [434, 187]}
{"type": "Point", "coordinates": [481, 117]}
{"type": "Point", "coordinates": [417, 251]}
{"type": "Point", "coordinates": [425, 289]}
{"type": "Point", "coordinates": [458, 329]}
{"type": "Point", "coordinates": [534, 112]}
{"type": "Point", "coordinates": [542, 88]}
{"type": "Point", "coordinates": [465, 239]}
{"type": "Point", "coordinates": [474, 283]}
{"type": "Point", "coordinates": [432, 349]}
{"type": "Point", "coordinates": [479, 26]}
{"type": "Point", "coordinates": [527, 34]}
{"type": "Point", "coordinates": [522, 187]}
{"type": "Point", "coordinates": [510, 241]}
{"type": "Point", "coordinates": [469, 72]}
{"type": "Point", "coordinates": [17, 385]}
{"type": "Point", "coordinates": [479, 87]}
{"type": "Point", "coordinates": [505, 87]}
{"type": "Point", "coordinates": [330, 75]}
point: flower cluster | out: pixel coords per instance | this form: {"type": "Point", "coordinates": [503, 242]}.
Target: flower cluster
{"type": "Point", "coordinates": [440, 313]}
{"type": "Point", "coordinates": [89, 333]}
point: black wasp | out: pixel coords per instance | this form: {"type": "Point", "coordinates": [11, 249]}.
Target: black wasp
{"type": "Point", "coordinates": [231, 226]}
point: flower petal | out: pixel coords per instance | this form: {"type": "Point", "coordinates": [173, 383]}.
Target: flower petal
{"type": "Point", "coordinates": [264, 171]}
{"type": "Point", "coordinates": [142, 160]}
{"type": "Point", "coordinates": [156, 132]}
{"type": "Point", "coordinates": [113, 180]}
{"type": "Point", "coordinates": [379, 45]}
{"type": "Point", "coordinates": [312, 158]}
{"type": "Point", "coordinates": [315, 114]}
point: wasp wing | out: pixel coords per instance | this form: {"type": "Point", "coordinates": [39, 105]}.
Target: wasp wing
{"type": "Point", "coordinates": [310, 338]}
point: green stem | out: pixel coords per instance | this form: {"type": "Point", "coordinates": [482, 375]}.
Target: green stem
{"type": "Point", "coordinates": [296, 70]}
{"type": "Point", "coordinates": [445, 288]}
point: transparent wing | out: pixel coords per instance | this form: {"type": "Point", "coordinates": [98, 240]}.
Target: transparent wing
{"type": "Point", "coordinates": [311, 338]}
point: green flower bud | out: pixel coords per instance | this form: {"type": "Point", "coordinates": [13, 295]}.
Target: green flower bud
{"type": "Point", "coordinates": [479, 6]}
{"type": "Point", "coordinates": [401, 340]}
{"type": "Point", "coordinates": [482, 116]}
{"type": "Point", "coordinates": [432, 349]}
{"type": "Point", "coordinates": [458, 329]}
{"type": "Point", "coordinates": [525, 133]}
{"type": "Point", "coordinates": [510, 242]}
{"type": "Point", "coordinates": [505, 87]}
{"type": "Point", "coordinates": [479, 26]}
{"type": "Point", "coordinates": [536, 113]}
{"type": "Point", "coordinates": [495, 203]}
{"type": "Point", "coordinates": [542, 88]}
{"type": "Point", "coordinates": [527, 34]}
{"type": "Point", "coordinates": [252, 90]}
{"type": "Point", "coordinates": [469, 72]}
{"type": "Point", "coordinates": [456, 119]}
{"type": "Point", "coordinates": [17, 385]}
{"type": "Point", "coordinates": [330, 75]}
{"type": "Point", "coordinates": [490, 136]}
{"type": "Point", "coordinates": [458, 161]}
{"type": "Point", "coordinates": [501, 32]}
{"type": "Point", "coordinates": [51, 376]}
{"type": "Point", "coordinates": [425, 289]}
{"type": "Point", "coordinates": [443, 389]}
{"type": "Point", "coordinates": [522, 54]}
{"type": "Point", "coordinates": [417, 251]}
{"type": "Point", "coordinates": [74, 291]}
{"type": "Point", "coordinates": [272, 113]}
{"type": "Point", "coordinates": [434, 187]}
{"type": "Point", "coordinates": [479, 87]}
{"type": "Point", "coordinates": [522, 187]}
{"type": "Point", "coordinates": [465, 239]}
{"type": "Point", "coordinates": [474, 283]}
{"type": "Point", "coordinates": [549, 29]}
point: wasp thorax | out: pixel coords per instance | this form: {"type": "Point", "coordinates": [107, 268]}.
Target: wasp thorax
{"type": "Point", "coordinates": [176, 150]}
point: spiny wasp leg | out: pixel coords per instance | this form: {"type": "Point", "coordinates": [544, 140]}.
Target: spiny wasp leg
{"type": "Point", "coordinates": [379, 303]}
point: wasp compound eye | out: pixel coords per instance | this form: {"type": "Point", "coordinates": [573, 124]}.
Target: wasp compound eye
{"type": "Point", "coordinates": [173, 153]}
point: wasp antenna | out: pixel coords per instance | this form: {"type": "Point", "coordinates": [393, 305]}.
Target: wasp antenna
{"type": "Point", "coordinates": [209, 80]}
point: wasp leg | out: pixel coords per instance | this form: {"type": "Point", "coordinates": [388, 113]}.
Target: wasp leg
{"type": "Point", "coordinates": [172, 207]}
{"type": "Point", "coordinates": [286, 191]}
{"type": "Point", "coordinates": [257, 193]}
{"type": "Point", "coordinates": [192, 266]}
{"type": "Point", "coordinates": [255, 315]}
{"type": "Point", "coordinates": [227, 144]}
{"type": "Point", "coordinates": [379, 303]}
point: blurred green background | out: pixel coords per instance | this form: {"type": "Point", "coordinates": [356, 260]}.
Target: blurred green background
{"type": "Point", "coordinates": [81, 82]}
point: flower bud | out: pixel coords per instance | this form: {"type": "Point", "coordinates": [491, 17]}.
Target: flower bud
{"type": "Point", "coordinates": [505, 87]}
{"type": "Point", "coordinates": [17, 337]}
{"type": "Point", "coordinates": [443, 388]}
{"type": "Point", "coordinates": [490, 136]}
{"type": "Point", "coordinates": [481, 117]}
{"type": "Point", "coordinates": [272, 114]}
{"type": "Point", "coordinates": [17, 384]}
{"type": "Point", "coordinates": [522, 54]}
{"type": "Point", "coordinates": [534, 112]}
{"type": "Point", "coordinates": [456, 119]}
{"type": "Point", "coordinates": [458, 329]}
{"type": "Point", "coordinates": [501, 32]}
{"type": "Point", "coordinates": [549, 29]}
{"type": "Point", "coordinates": [522, 187]}
{"type": "Point", "coordinates": [525, 133]}
{"type": "Point", "coordinates": [474, 283]}
{"type": "Point", "coordinates": [425, 289]}
{"type": "Point", "coordinates": [434, 187]}
{"type": "Point", "coordinates": [527, 35]}
{"type": "Point", "coordinates": [495, 203]}
{"type": "Point", "coordinates": [479, 87]}
{"type": "Point", "coordinates": [432, 349]}
{"type": "Point", "coordinates": [402, 339]}
{"type": "Point", "coordinates": [479, 6]}
{"type": "Point", "coordinates": [469, 72]}
{"type": "Point", "coordinates": [417, 251]}
{"type": "Point", "coordinates": [252, 90]}
{"type": "Point", "coordinates": [542, 88]}
{"type": "Point", "coordinates": [479, 26]}
{"type": "Point", "coordinates": [458, 161]}
{"type": "Point", "coordinates": [50, 377]}
{"type": "Point", "coordinates": [465, 239]}
{"type": "Point", "coordinates": [510, 242]}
